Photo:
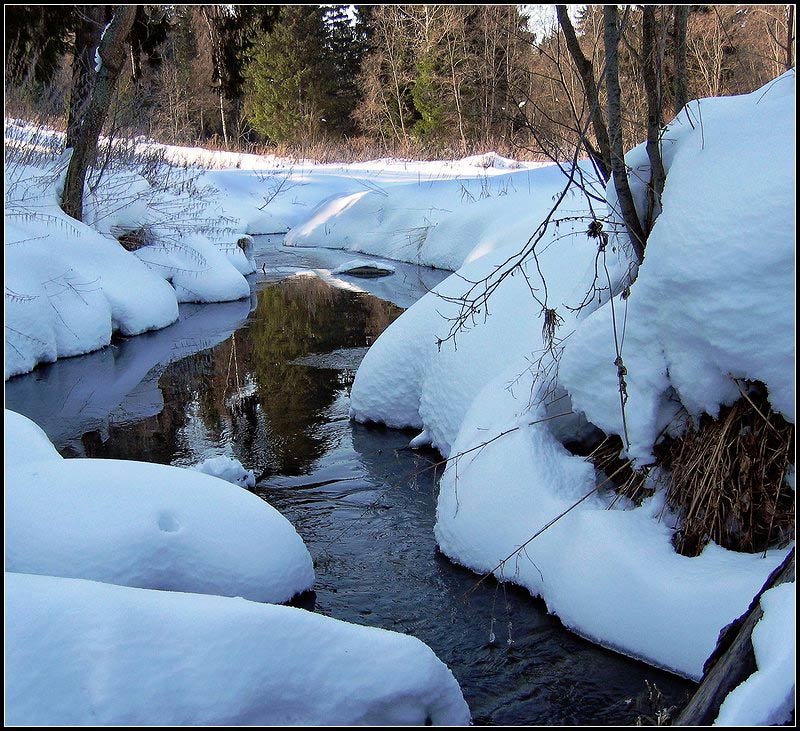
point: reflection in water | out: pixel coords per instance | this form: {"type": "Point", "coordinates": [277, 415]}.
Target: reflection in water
{"type": "Point", "coordinates": [247, 395]}
{"type": "Point", "coordinates": [364, 504]}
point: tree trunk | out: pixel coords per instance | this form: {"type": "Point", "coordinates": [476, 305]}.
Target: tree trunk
{"type": "Point", "coordinates": [586, 73]}
{"type": "Point", "coordinates": [789, 37]}
{"type": "Point", "coordinates": [619, 170]}
{"type": "Point", "coordinates": [733, 660]}
{"type": "Point", "coordinates": [652, 69]}
{"type": "Point", "coordinates": [84, 148]}
{"type": "Point", "coordinates": [680, 70]}
{"type": "Point", "coordinates": [87, 39]}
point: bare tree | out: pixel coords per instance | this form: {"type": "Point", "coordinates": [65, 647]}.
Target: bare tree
{"type": "Point", "coordinates": [602, 156]}
{"type": "Point", "coordinates": [92, 18]}
{"type": "Point", "coordinates": [112, 55]}
{"type": "Point", "coordinates": [680, 69]}
{"type": "Point", "coordinates": [653, 66]}
{"type": "Point", "coordinates": [619, 170]}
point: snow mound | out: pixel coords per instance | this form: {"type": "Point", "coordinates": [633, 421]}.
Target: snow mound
{"type": "Point", "coordinates": [710, 302]}
{"type": "Point", "coordinates": [229, 469]}
{"type": "Point", "coordinates": [81, 652]}
{"type": "Point", "coordinates": [766, 698]}
{"type": "Point", "coordinates": [24, 441]}
{"type": "Point", "coordinates": [149, 526]}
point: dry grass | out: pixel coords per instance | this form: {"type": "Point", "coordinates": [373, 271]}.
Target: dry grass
{"type": "Point", "coordinates": [725, 477]}
{"type": "Point", "coordinates": [728, 478]}
{"type": "Point", "coordinates": [628, 482]}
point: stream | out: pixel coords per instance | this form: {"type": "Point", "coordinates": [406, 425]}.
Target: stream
{"type": "Point", "coordinates": [267, 381]}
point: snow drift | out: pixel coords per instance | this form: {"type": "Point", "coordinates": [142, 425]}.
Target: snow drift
{"type": "Point", "coordinates": [80, 652]}
{"type": "Point", "coordinates": [144, 525]}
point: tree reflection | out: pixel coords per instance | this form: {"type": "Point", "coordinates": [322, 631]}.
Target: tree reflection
{"type": "Point", "coordinates": [247, 393]}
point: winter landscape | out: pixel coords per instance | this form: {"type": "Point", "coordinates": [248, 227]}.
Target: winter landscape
{"type": "Point", "coordinates": [400, 365]}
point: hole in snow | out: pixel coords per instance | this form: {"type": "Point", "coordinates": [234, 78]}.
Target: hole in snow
{"type": "Point", "coordinates": [168, 523]}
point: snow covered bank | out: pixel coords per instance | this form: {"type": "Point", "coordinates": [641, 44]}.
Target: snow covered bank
{"type": "Point", "coordinates": [144, 525]}
{"type": "Point", "coordinates": [766, 698]}
{"type": "Point", "coordinates": [712, 300]}
{"type": "Point", "coordinates": [437, 222]}
{"type": "Point", "coordinates": [70, 285]}
{"type": "Point", "coordinates": [81, 652]}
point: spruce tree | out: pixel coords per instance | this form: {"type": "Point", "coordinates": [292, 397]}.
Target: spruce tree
{"type": "Point", "coordinates": [288, 80]}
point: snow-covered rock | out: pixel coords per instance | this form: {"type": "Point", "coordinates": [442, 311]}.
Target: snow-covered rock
{"type": "Point", "coordinates": [364, 267]}
{"type": "Point", "coordinates": [229, 469]}
{"type": "Point", "coordinates": [81, 652]}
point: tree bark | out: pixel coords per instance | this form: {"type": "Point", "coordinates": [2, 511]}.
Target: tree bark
{"type": "Point", "coordinates": [733, 660]}
{"type": "Point", "coordinates": [680, 69]}
{"type": "Point", "coordinates": [586, 73]}
{"type": "Point", "coordinates": [652, 70]}
{"type": "Point", "coordinates": [87, 39]}
{"type": "Point", "coordinates": [619, 170]}
{"type": "Point", "coordinates": [84, 149]}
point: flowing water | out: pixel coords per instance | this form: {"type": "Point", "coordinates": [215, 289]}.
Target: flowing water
{"type": "Point", "coordinates": [268, 382]}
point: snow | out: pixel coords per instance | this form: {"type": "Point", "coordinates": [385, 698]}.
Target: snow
{"type": "Point", "coordinates": [737, 242]}
{"type": "Point", "coordinates": [71, 285]}
{"type": "Point", "coordinates": [24, 441]}
{"type": "Point", "coordinates": [229, 469]}
{"type": "Point", "coordinates": [766, 698]}
{"type": "Point", "coordinates": [81, 652]}
{"type": "Point", "coordinates": [710, 304]}
{"type": "Point", "coordinates": [438, 222]}
{"type": "Point", "coordinates": [146, 525]}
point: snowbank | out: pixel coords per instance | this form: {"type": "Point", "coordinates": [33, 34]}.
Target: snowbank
{"type": "Point", "coordinates": [437, 222]}
{"type": "Point", "coordinates": [145, 525]}
{"type": "Point", "coordinates": [80, 652]}
{"type": "Point", "coordinates": [69, 287]}
{"type": "Point", "coordinates": [71, 284]}
{"type": "Point", "coordinates": [710, 302]}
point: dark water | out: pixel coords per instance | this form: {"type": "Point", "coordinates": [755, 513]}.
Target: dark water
{"type": "Point", "coordinates": [268, 382]}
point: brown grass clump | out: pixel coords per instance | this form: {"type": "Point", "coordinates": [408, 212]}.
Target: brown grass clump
{"type": "Point", "coordinates": [627, 482]}
{"type": "Point", "coordinates": [134, 240]}
{"type": "Point", "coordinates": [728, 478]}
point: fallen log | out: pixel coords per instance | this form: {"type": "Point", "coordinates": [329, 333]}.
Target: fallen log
{"type": "Point", "coordinates": [733, 659]}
